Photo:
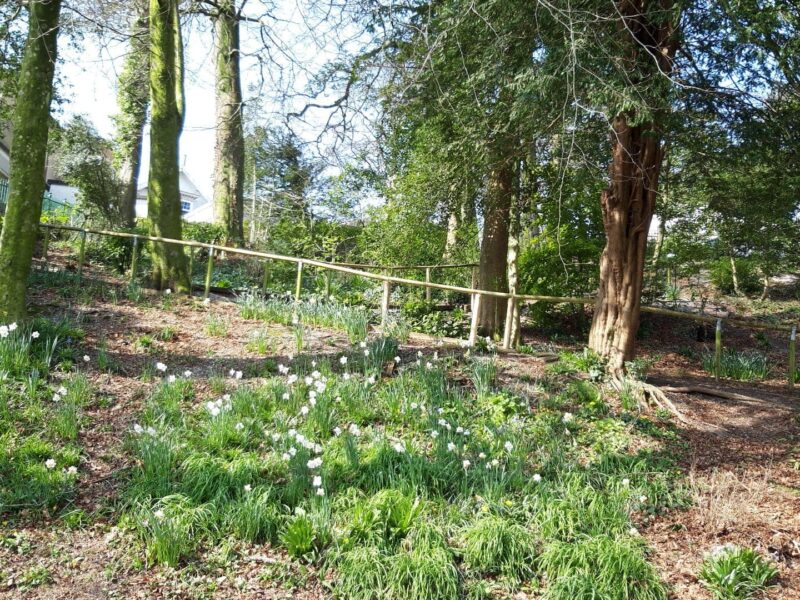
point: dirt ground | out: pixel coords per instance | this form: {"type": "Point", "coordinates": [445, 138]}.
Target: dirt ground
{"type": "Point", "coordinates": [742, 461]}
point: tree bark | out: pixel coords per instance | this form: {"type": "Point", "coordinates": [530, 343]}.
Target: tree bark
{"type": "Point", "coordinates": [629, 201]}
{"type": "Point", "coordinates": [133, 98]}
{"type": "Point", "coordinates": [514, 232]}
{"type": "Point", "coordinates": [170, 265]}
{"type": "Point", "coordinates": [28, 156]}
{"type": "Point", "coordinates": [735, 277]}
{"type": "Point", "coordinates": [229, 151]}
{"type": "Point", "coordinates": [494, 246]}
{"type": "Point", "coordinates": [452, 233]}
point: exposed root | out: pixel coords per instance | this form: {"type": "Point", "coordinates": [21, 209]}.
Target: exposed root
{"type": "Point", "coordinates": [647, 394]}
{"type": "Point", "coordinates": [710, 392]}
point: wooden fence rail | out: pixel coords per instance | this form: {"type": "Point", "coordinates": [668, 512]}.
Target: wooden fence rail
{"type": "Point", "coordinates": [388, 280]}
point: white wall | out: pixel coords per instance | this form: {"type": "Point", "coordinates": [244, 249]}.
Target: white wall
{"type": "Point", "coordinates": [64, 193]}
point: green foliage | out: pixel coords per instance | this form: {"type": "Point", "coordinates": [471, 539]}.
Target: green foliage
{"type": "Point", "coordinates": [733, 573]}
{"type": "Point", "coordinates": [721, 275]}
{"type": "Point", "coordinates": [497, 545]}
{"type": "Point", "coordinates": [742, 366]}
{"type": "Point", "coordinates": [83, 159]}
{"type": "Point", "coordinates": [600, 566]}
{"type": "Point", "coordinates": [299, 536]}
{"type": "Point", "coordinates": [425, 318]}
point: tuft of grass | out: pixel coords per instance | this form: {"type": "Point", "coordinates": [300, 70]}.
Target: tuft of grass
{"type": "Point", "coordinates": [422, 572]}
{"type": "Point", "coordinates": [216, 326]}
{"type": "Point", "coordinates": [484, 372]}
{"type": "Point", "coordinates": [362, 572]}
{"type": "Point", "coordinates": [742, 366]}
{"type": "Point", "coordinates": [496, 545]}
{"type": "Point", "coordinates": [255, 516]}
{"type": "Point", "coordinates": [733, 573]}
{"type": "Point", "coordinates": [172, 528]}
{"type": "Point", "coordinates": [600, 566]}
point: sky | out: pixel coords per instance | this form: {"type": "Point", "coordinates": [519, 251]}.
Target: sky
{"type": "Point", "coordinates": [88, 73]}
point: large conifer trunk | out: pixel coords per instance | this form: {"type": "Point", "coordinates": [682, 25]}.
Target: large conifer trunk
{"type": "Point", "coordinates": [229, 151]}
{"type": "Point", "coordinates": [649, 35]}
{"type": "Point", "coordinates": [28, 156]}
{"type": "Point", "coordinates": [627, 206]}
{"type": "Point", "coordinates": [170, 265]}
{"type": "Point", "coordinates": [493, 274]}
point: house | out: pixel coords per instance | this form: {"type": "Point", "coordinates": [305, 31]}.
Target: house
{"type": "Point", "coordinates": [5, 154]}
{"type": "Point", "coordinates": [195, 207]}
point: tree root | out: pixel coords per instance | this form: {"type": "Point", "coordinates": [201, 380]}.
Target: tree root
{"type": "Point", "coordinates": [710, 392]}
{"type": "Point", "coordinates": [646, 393]}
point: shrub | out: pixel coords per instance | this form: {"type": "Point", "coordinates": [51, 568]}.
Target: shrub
{"type": "Point", "coordinates": [733, 573]}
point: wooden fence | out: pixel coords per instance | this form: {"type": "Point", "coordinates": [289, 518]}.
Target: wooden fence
{"type": "Point", "coordinates": [360, 270]}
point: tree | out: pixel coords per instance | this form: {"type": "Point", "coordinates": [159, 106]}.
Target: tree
{"type": "Point", "coordinates": [170, 265]}
{"type": "Point", "coordinates": [133, 97]}
{"type": "Point", "coordinates": [84, 160]}
{"type": "Point", "coordinates": [28, 155]}
{"type": "Point", "coordinates": [645, 39]}
{"type": "Point", "coordinates": [229, 149]}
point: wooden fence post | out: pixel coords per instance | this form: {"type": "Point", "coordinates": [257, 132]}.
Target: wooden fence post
{"type": "Point", "coordinates": [510, 307]}
{"type": "Point", "coordinates": [81, 254]}
{"type": "Point", "coordinates": [718, 350]}
{"type": "Point", "coordinates": [209, 272]}
{"type": "Point", "coordinates": [298, 286]}
{"type": "Point", "coordinates": [265, 283]}
{"type": "Point", "coordinates": [134, 258]}
{"type": "Point", "coordinates": [427, 289]}
{"type": "Point", "coordinates": [473, 328]}
{"type": "Point", "coordinates": [792, 356]}
{"type": "Point", "coordinates": [191, 265]}
{"type": "Point", "coordinates": [387, 291]}
{"type": "Point", "coordinates": [45, 246]}
{"type": "Point", "coordinates": [327, 275]}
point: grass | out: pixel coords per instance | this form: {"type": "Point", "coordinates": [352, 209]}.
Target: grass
{"type": "Point", "coordinates": [733, 573]}
{"type": "Point", "coordinates": [427, 480]}
{"type": "Point", "coordinates": [405, 487]}
{"type": "Point", "coordinates": [314, 312]}
{"type": "Point", "coordinates": [742, 366]}
{"type": "Point", "coordinates": [40, 416]}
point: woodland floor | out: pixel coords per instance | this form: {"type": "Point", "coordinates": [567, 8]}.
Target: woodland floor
{"type": "Point", "coordinates": [741, 460]}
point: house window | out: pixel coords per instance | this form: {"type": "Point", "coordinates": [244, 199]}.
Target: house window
{"type": "Point", "coordinates": [185, 207]}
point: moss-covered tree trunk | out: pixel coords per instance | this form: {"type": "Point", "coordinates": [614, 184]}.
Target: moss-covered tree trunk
{"type": "Point", "coordinates": [170, 264]}
{"type": "Point", "coordinates": [493, 273]}
{"type": "Point", "coordinates": [133, 98]}
{"type": "Point", "coordinates": [28, 156]}
{"type": "Point", "coordinates": [229, 151]}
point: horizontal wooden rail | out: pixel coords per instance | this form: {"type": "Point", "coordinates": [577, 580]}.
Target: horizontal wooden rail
{"type": "Point", "coordinates": [403, 268]}
{"type": "Point", "coordinates": [340, 267]}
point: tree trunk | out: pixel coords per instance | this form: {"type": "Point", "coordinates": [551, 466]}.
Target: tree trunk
{"type": "Point", "coordinates": [28, 156]}
{"type": "Point", "coordinates": [133, 98]}
{"type": "Point", "coordinates": [494, 247]}
{"type": "Point", "coordinates": [765, 292]}
{"type": "Point", "coordinates": [514, 232]}
{"type": "Point", "coordinates": [627, 206]}
{"type": "Point", "coordinates": [229, 151]}
{"type": "Point", "coordinates": [735, 277]}
{"type": "Point", "coordinates": [452, 234]}
{"type": "Point", "coordinates": [170, 265]}
{"type": "Point", "coordinates": [629, 201]}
